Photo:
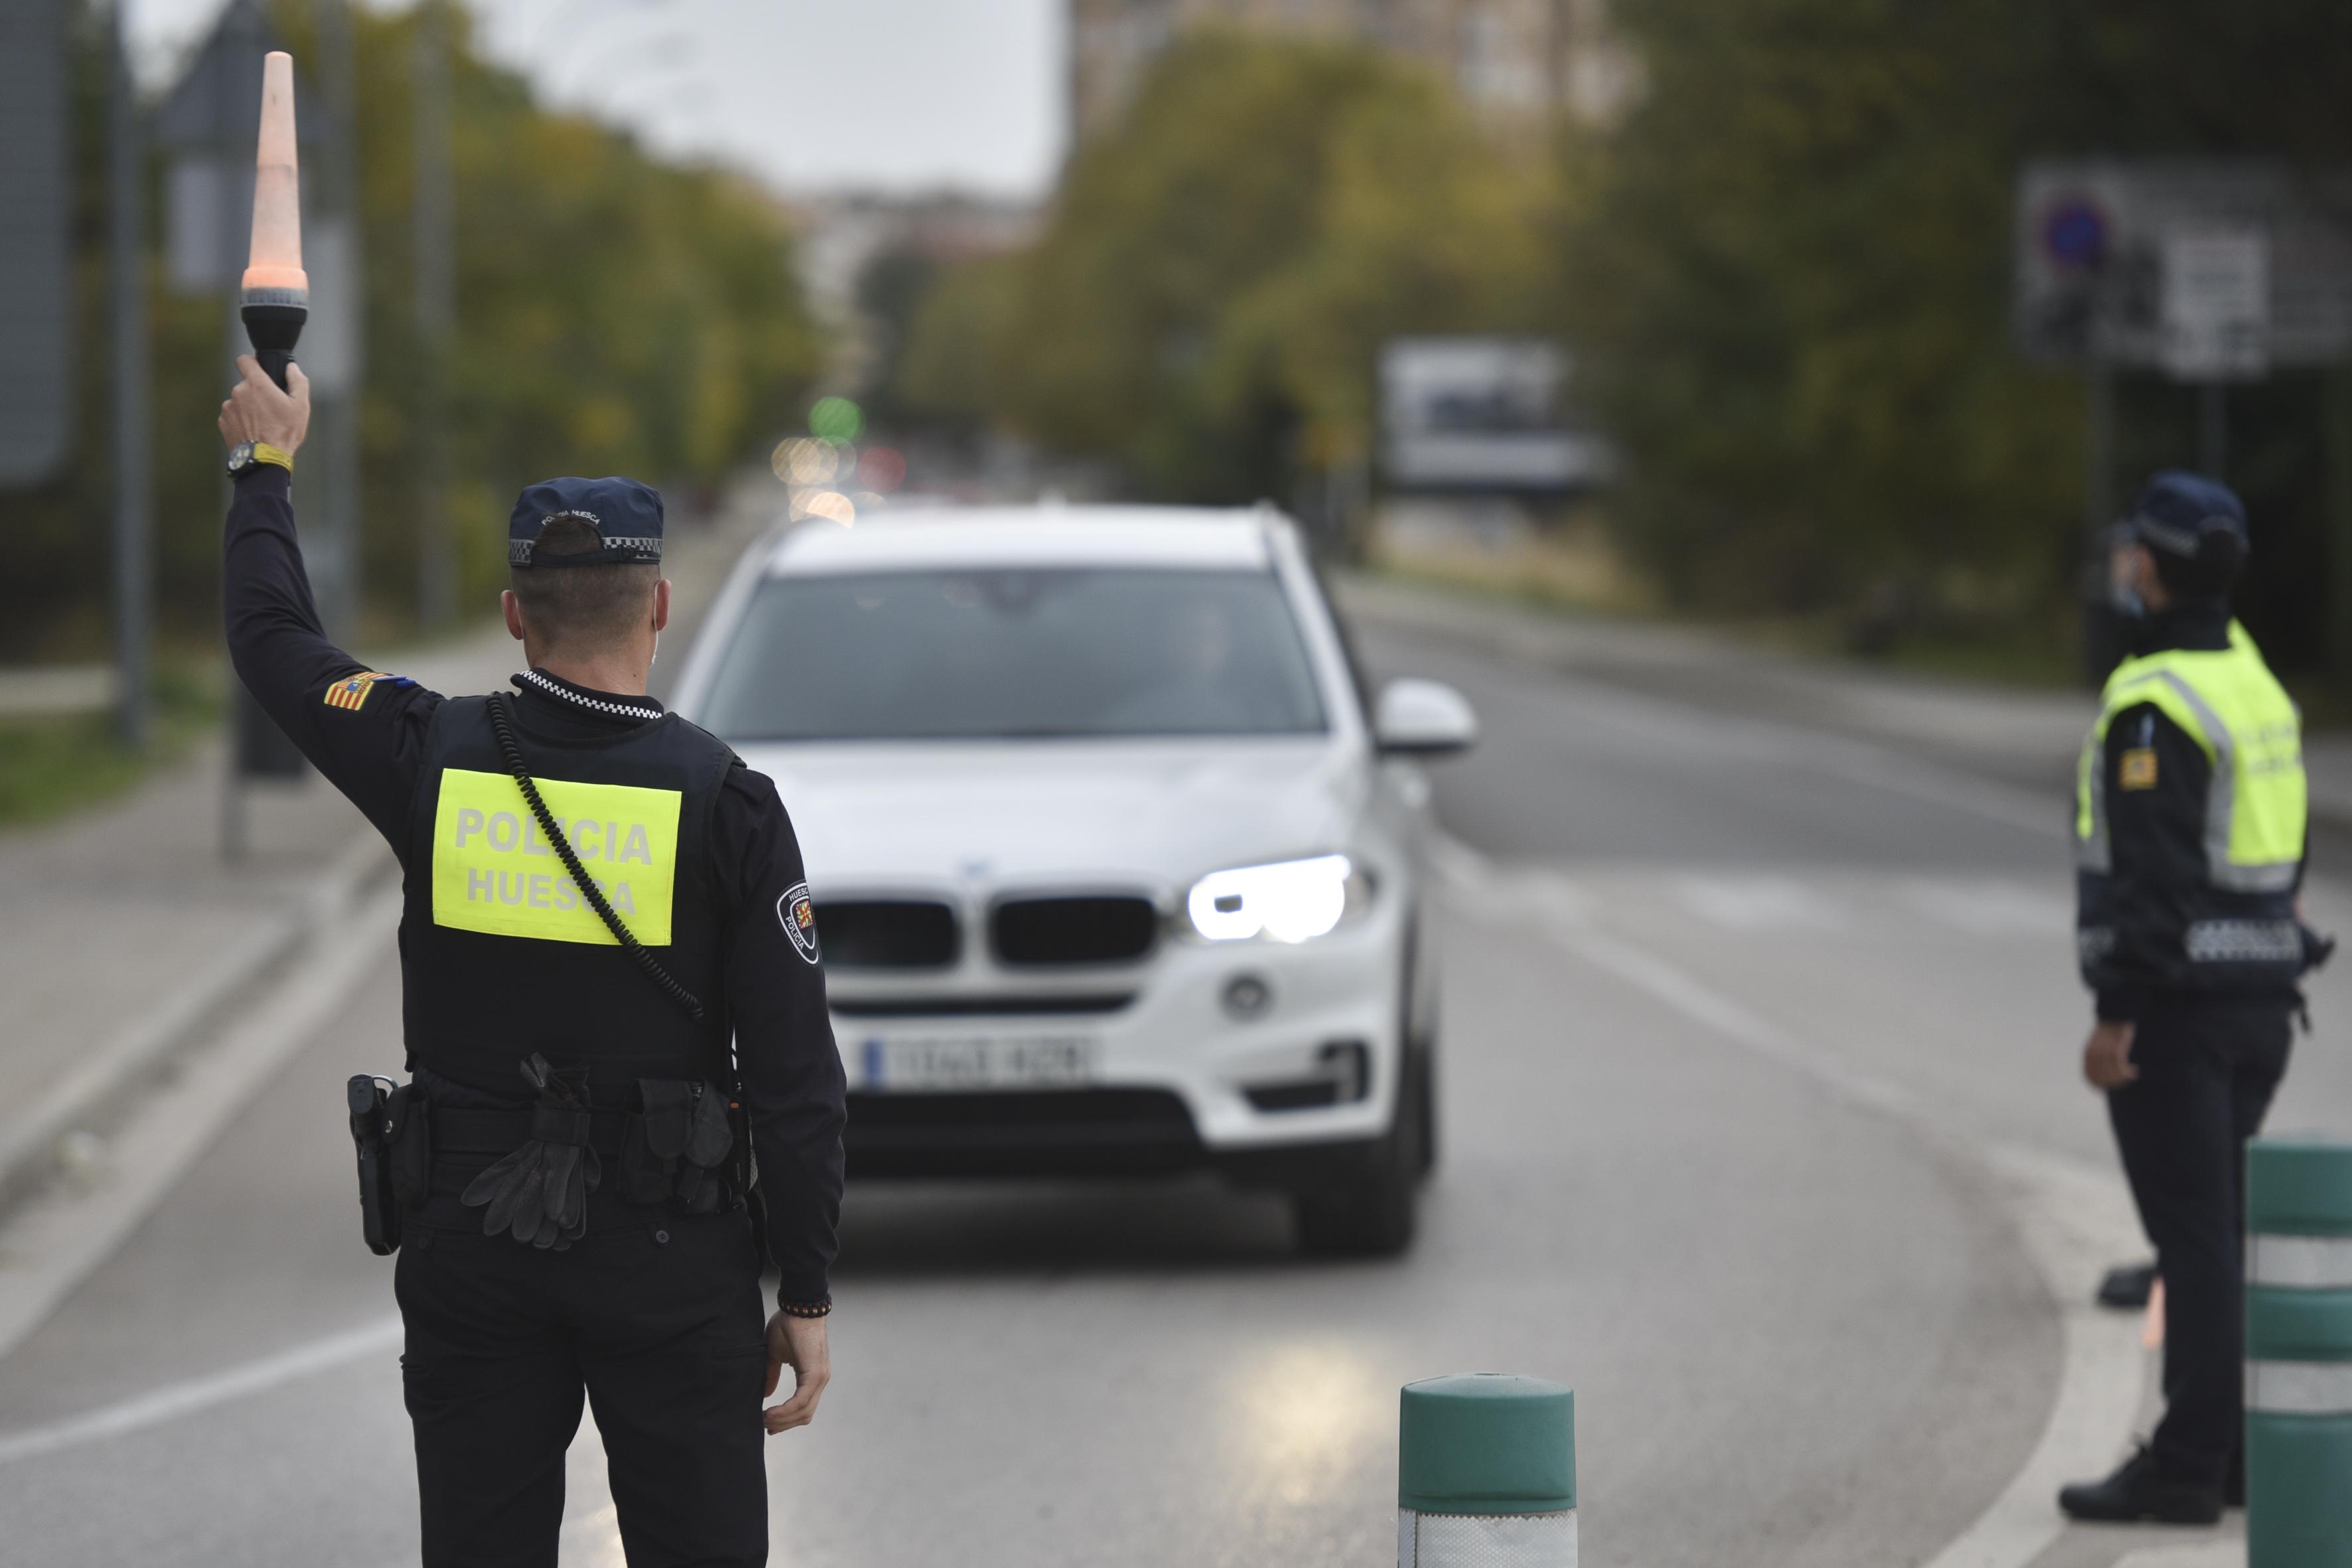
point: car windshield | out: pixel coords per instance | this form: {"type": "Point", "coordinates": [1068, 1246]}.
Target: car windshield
{"type": "Point", "coordinates": [973, 655]}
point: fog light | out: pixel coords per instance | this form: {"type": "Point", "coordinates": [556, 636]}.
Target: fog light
{"type": "Point", "coordinates": [1350, 1063]}
{"type": "Point", "coordinates": [1247, 996]}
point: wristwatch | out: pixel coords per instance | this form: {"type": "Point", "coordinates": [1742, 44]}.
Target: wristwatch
{"type": "Point", "coordinates": [247, 456]}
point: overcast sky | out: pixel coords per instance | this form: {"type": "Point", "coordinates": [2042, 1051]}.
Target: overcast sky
{"type": "Point", "coordinates": [812, 94]}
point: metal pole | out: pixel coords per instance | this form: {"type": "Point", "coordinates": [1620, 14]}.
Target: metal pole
{"type": "Point", "coordinates": [2213, 429]}
{"type": "Point", "coordinates": [237, 192]}
{"type": "Point", "coordinates": [2099, 446]}
{"type": "Point", "coordinates": [339, 416]}
{"type": "Point", "coordinates": [2101, 641]}
{"type": "Point", "coordinates": [436, 593]}
{"type": "Point", "coordinates": [2338, 406]}
{"type": "Point", "coordinates": [133, 604]}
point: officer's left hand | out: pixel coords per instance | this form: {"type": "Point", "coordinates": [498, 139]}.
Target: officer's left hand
{"type": "Point", "coordinates": [2106, 1055]}
{"type": "Point", "coordinates": [798, 1344]}
{"type": "Point", "coordinates": [257, 410]}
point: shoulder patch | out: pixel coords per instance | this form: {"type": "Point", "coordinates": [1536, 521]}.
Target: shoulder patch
{"type": "Point", "coordinates": [798, 917]}
{"type": "Point", "coordinates": [352, 691]}
{"type": "Point", "coordinates": [2137, 768]}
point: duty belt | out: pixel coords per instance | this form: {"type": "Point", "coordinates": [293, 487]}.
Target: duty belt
{"type": "Point", "coordinates": [459, 1133]}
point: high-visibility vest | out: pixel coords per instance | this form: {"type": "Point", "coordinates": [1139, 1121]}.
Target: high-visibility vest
{"type": "Point", "coordinates": [500, 956]}
{"type": "Point", "coordinates": [2240, 929]}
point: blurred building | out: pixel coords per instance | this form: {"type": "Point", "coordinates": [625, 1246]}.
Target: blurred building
{"type": "Point", "coordinates": [851, 242]}
{"type": "Point", "coordinates": [1512, 59]}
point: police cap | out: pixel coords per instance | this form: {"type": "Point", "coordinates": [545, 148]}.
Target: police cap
{"type": "Point", "coordinates": [625, 514]}
{"type": "Point", "coordinates": [2180, 514]}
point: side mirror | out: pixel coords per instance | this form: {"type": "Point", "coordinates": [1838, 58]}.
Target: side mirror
{"type": "Point", "coordinates": [1422, 719]}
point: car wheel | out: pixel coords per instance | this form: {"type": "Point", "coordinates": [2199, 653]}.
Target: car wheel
{"type": "Point", "coordinates": [1365, 1207]}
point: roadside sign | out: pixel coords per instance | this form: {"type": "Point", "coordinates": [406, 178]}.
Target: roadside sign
{"type": "Point", "coordinates": [1482, 414]}
{"type": "Point", "coordinates": [2204, 270]}
{"type": "Point", "coordinates": [36, 310]}
{"type": "Point", "coordinates": [2217, 304]}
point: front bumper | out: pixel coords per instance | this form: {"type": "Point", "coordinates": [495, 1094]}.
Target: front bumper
{"type": "Point", "coordinates": [1178, 1080]}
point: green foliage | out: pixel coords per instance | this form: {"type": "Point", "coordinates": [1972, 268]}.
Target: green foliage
{"type": "Point", "coordinates": [614, 315]}
{"type": "Point", "coordinates": [1220, 269]}
{"type": "Point", "coordinates": [1790, 283]}
{"type": "Point", "coordinates": [1791, 274]}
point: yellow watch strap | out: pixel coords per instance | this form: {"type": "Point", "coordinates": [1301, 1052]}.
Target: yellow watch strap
{"type": "Point", "coordinates": [263, 452]}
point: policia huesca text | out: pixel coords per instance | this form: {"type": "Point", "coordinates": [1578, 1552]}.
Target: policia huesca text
{"type": "Point", "coordinates": [623, 1086]}
{"type": "Point", "coordinates": [2190, 843]}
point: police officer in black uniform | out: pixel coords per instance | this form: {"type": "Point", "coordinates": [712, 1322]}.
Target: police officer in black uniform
{"type": "Point", "coordinates": [2192, 839]}
{"type": "Point", "coordinates": [600, 897]}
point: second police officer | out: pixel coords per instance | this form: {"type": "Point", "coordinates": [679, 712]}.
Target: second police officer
{"type": "Point", "coordinates": [600, 897]}
{"type": "Point", "coordinates": [2190, 830]}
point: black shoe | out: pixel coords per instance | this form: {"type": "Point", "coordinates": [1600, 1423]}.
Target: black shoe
{"type": "Point", "coordinates": [2234, 1485]}
{"type": "Point", "coordinates": [2143, 1492]}
{"type": "Point", "coordinates": [2126, 1288]}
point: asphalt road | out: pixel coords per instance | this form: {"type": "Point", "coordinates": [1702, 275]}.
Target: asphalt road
{"type": "Point", "coordinates": [1748, 1037]}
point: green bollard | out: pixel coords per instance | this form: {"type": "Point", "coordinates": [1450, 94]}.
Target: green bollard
{"type": "Point", "coordinates": [2298, 1353]}
{"type": "Point", "coordinates": [1486, 1473]}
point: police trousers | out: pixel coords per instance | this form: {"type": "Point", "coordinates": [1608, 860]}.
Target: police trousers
{"type": "Point", "coordinates": [2207, 1072]}
{"type": "Point", "coordinates": [654, 1318]}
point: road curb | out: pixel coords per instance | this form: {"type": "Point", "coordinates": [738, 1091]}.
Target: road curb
{"type": "Point", "coordinates": [96, 1092]}
{"type": "Point", "coordinates": [1502, 626]}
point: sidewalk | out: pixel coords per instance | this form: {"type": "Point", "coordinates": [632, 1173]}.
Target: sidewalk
{"type": "Point", "coordinates": [124, 937]}
{"type": "Point", "coordinates": [2022, 736]}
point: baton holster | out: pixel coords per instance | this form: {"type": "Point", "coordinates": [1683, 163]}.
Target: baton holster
{"type": "Point", "coordinates": [389, 1148]}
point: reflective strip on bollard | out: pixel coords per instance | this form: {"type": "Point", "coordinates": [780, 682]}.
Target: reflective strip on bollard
{"type": "Point", "coordinates": [2300, 1262]}
{"type": "Point", "coordinates": [1485, 1540]}
{"type": "Point", "coordinates": [2298, 1351]}
{"type": "Point", "coordinates": [2299, 1388]}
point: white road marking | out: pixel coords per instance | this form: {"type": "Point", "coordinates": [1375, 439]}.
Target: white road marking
{"type": "Point", "coordinates": [173, 1401]}
{"type": "Point", "coordinates": [1991, 908]}
{"type": "Point", "coordinates": [2206, 1555]}
{"type": "Point", "coordinates": [2072, 1217]}
{"type": "Point", "coordinates": [1758, 903]}
{"type": "Point", "coordinates": [51, 1245]}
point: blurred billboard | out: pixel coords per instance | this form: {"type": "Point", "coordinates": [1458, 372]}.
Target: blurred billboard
{"type": "Point", "coordinates": [1482, 414]}
{"type": "Point", "coordinates": [2205, 270]}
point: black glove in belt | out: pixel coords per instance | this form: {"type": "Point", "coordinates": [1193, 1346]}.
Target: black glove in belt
{"type": "Point", "coordinates": [541, 1191]}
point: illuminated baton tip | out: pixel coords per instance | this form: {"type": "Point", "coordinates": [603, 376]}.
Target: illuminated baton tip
{"type": "Point", "coordinates": [274, 272]}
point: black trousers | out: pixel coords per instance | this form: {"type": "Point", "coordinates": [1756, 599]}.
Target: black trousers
{"type": "Point", "coordinates": [654, 1316]}
{"type": "Point", "coordinates": [2207, 1073]}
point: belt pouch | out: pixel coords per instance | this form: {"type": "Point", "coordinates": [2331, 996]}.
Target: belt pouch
{"type": "Point", "coordinates": [698, 1187]}
{"type": "Point", "coordinates": [656, 1139]}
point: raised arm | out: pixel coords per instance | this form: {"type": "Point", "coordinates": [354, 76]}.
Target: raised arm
{"type": "Point", "coordinates": [362, 729]}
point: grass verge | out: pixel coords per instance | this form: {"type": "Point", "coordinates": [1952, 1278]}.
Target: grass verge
{"type": "Point", "coordinates": [52, 765]}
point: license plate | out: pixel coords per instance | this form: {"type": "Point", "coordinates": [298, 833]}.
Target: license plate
{"type": "Point", "coordinates": [978, 1062]}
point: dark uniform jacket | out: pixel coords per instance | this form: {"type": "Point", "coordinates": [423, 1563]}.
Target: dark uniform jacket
{"type": "Point", "coordinates": [373, 749]}
{"type": "Point", "coordinates": [2159, 882]}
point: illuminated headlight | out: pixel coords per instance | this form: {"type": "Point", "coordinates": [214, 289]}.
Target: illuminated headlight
{"type": "Point", "coordinates": [1291, 901]}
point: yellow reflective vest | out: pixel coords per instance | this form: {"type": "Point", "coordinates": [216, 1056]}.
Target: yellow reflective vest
{"type": "Point", "coordinates": [2233, 927]}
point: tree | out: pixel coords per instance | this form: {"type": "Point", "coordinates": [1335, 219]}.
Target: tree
{"type": "Point", "coordinates": [616, 314]}
{"type": "Point", "coordinates": [1792, 276]}
{"type": "Point", "coordinates": [1220, 267]}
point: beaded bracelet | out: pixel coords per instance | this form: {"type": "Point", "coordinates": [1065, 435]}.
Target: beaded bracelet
{"type": "Point", "coordinates": [805, 1309]}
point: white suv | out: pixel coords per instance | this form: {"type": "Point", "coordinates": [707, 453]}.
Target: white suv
{"type": "Point", "coordinates": [1113, 873]}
